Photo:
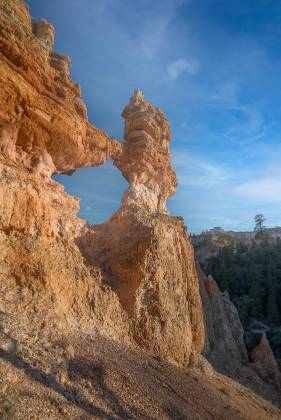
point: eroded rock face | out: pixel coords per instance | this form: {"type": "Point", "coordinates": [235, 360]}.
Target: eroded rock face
{"type": "Point", "coordinates": [149, 263]}
{"type": "Point", "coordinates": [42, 273]}
{"type": "Point", "coordinates": [224, 332]}
{"type": "Point", "coordinates": [43, 121]}
{"type": "Point", "coordinates": [132, 278]}
{"type": "Point", "coordinates": [144, 254]}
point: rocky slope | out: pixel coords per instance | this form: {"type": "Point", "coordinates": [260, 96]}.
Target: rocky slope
{"type": "Point", "coordinates": [237, 258]}
{"type": "Point", "coordinates": [66, 285]}
{"type": "Point", "coordinates": [84, 377]}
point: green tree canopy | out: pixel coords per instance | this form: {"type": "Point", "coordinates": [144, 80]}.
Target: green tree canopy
{"type": "Point", "coordinates": [252, 276]}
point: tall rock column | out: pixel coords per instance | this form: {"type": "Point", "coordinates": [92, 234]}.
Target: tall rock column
{"type": "Point", "coordinates": [146, 160]}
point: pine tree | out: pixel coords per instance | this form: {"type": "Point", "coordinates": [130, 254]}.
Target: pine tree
{"type": "Point", "coordinates": [259, 226]}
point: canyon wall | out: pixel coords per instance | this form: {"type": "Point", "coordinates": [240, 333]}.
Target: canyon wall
{"type": "Point", "coordinates": [132, 278]}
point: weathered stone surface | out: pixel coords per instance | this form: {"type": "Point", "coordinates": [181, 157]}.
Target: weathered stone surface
{"type": "Point", "coordinates": [45, 32]}
{"type": "Point", "coordinates": [43, 121]}
{"type": "Point", "coordinates": [224, 332]}
{"type": "Point", "coordinates": [41, 269]}
{"type": "Point", "coordinates": [43, 130]}
{"type": "Point", "coordinates": [144, 254]}
{"type": "Point", "coordinates": [149, 263]}
{"type": "Point", "coordinates": [265, 361]}
{"type": "Point", "coordinates": [65, 285]}
{"type": "Point", "coordinates": [137, 281]}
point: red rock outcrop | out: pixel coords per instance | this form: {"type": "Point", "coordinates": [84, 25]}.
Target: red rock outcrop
{"type": "Point", "coordinates": [43, 130]}
{"type": "Point", "coordinates": [132, 278]}
{"type": "Point", "coordinates": [144, 254]}
{"type": "Point", "coordinates": [43, 121]}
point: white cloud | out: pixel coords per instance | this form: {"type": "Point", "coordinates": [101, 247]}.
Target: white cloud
{"type": "Point", "coordinates": [182, 65]}
{"type": "Point", "coordinates": [196, 172]}
{"type": "Point", "coordinates": [266, 190]}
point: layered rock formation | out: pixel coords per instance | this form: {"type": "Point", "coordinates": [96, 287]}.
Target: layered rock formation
{"type": "Point", "coordinates": [132, 278]}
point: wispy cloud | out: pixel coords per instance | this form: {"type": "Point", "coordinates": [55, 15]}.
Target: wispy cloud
{"type": "Point", "coordinates": [248, 127]}
{"type": "Point", "coordinates": [263, 190]}
{"type": "Point", "coordinates": [196, 172]}
{"type": "Point", "coordinates": [182, 65]}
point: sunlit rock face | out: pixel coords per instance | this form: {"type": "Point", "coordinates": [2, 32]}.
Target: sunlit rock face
{"type": "Point", "coordinates": [43, 121]}
{"type": "Point", "coordinates": [148, 261]}
{"type": "Point", "coordinates": [146, 160]}
{"type": "Point", "coordinates": [132, 278]}
{"type": "Point", "coordinates": [144, 254]}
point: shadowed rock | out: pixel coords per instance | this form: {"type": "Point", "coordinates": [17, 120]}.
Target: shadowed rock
{"type": "Point", "coordinates": [263, 356]}
{"type": "Point", "coordinates": [224, 332]}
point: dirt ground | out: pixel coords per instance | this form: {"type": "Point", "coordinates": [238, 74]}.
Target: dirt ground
{"type": "Point", "coordinates": [47, 375]}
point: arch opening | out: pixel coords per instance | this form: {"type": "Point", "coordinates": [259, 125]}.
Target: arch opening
{"type": "Point", "coordinates": [100, 190]}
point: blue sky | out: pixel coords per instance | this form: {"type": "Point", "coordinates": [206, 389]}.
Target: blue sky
{"type": "Point", "coordinates": [214, 67]}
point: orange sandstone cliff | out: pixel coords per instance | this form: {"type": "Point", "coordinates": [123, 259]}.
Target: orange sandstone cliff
{"type": "Point", "coordinates": [91, 315]}
{"type": "Point", "coordinates": [132, 277]}
{"type": "Point", "coordinates": [44, 125]}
